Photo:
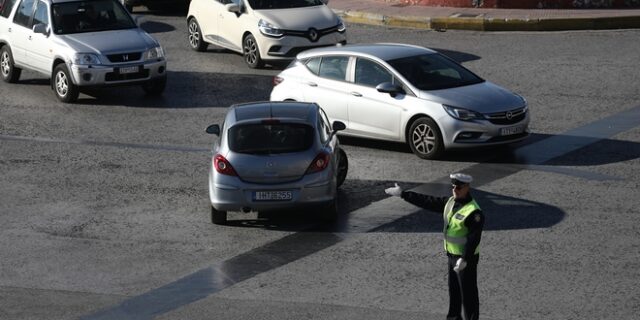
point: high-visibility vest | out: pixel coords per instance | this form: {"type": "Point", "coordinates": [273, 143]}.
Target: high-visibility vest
{"type": "Point", "coordinates": [455, 232]}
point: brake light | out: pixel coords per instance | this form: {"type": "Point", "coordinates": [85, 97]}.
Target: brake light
{"type": "Point", "coordinates": [277, 80]}
{"type": "Point", "coordinates": [320, 163]}
{"type": "Point", "coordinates": [222, 165]}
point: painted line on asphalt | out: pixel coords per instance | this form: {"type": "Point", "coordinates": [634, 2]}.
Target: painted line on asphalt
{"type": "Point", "coordinates": [105, 144]}
{"type": "Point", "coordinates": [210, 280]}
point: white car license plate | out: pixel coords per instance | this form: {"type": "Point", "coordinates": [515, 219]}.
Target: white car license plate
{"type": "Point", "coordinates": [272, 195]}
{"type": "Point", "coordinates": [511, 130]}
{"type": "Point", "coordinates": [133, 69]}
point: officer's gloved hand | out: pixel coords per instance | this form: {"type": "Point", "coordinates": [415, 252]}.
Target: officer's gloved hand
{"type": "Point", "coordinates": [460, 265]}
{"type": "Point", "coordinates": [394, 191]}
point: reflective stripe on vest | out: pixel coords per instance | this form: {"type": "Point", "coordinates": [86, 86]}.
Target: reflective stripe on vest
{"type": "Point", "coordinates": [455, 232]}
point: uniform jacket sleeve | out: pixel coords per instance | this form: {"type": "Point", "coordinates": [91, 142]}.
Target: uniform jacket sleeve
{"type": "Point", "coordinates": [475, 224]}
{"type": "Point", "coordinates": [425, 201]}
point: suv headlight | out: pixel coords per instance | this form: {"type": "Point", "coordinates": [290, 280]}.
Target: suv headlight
{"type": "Point", "coordinates": [154, 53]}
{"type": "Point", "coordinates": [341, 26]}
{"type": "Point", "coordinates": [462, 114]}
{"type": "Point", "coordinates": [86, 58]}
{"type": "Point", "coordinates": [268, 29]}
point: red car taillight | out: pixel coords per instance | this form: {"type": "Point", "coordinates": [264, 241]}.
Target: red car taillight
{"type": "Point", "coordinates": [277, 80]}
{"type": "Point", "coordinates": [222, 165]}
{"type": "Point", "coordinates": [320, 163]}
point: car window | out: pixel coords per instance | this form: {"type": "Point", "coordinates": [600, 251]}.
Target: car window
{"type": "Point", "coordinates": [90, 16]}
{"type": "Point", "coordinates": [267, 138]}
{"type": "Point", "coordinates": [333, 67]}
{"type": "Point", "coordinates": [433, 71]}
{"type": "Point", "coordinates": [5, 7]}
{"type": "Point", "coordinates": [324, 126]}
{"type": "Point", "coordinates": [41, 15]}
{"type": "Point", "coordinates": [23, 15]}
{"type": "Point", "coordinates": [314, 65]}
{"type": "Point", "coordinates": [370, 73]}
{"type": "Point", "coordinates": [283, 4]}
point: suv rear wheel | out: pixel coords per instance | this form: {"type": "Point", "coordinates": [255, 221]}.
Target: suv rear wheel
{"type": "Point", "coordinates": [8, 70]}
{"type": "Point", "coordinates": [63, 86]}
{"type": "Point", "coordinates": [425, 139]}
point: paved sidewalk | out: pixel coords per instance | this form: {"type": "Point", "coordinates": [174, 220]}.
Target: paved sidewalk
{"type": "Point", "coordinates": [392, 13]}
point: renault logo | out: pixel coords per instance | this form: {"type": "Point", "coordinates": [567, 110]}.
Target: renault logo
{"type": "Point", "coordinates": [313, 34]}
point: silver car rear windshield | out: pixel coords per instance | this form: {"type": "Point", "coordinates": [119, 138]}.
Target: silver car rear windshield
{"type": "Point", "coordinates": [270, 138]}
{"type": "Point", "coordinates": [433, 71]}
{"type": "Point", "coordinates": [282, 4]}
{"type": "Point", "coordinates": [89, 16]}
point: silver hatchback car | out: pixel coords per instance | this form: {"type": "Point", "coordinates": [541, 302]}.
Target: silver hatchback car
{"type": "Point", "coordinates": [275, 155]}
{"type": "Point", "coordinates": [405, 93]}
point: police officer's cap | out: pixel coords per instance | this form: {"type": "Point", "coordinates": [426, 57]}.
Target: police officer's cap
{"type": "Point", "coordinates": [460, 178]}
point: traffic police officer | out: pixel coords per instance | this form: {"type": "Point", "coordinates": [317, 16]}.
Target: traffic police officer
{"type": "Point", "coordinates": [463, 222]}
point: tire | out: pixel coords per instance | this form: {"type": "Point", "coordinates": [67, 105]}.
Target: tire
{"type": "Point", "coordinates": [9, 72]}
{"type": "Point", "coordinates": [251, 52]}
{"type": "Point", "coordinates": [343, 168]}
{"type": "Point", "coordinates": [195, 36]}
{"type": "Point", "coordinates": [424, 139]}
{"type": "Point", "coordinates": [218, 217]}
{"type": "Point", "coordinates": [64, 88]}
{"type": "Point", "coordinates": [155, 87]}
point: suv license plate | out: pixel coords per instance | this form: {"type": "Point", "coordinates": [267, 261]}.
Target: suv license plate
{"type": "Point", "coordinates": [511, 130]}
{"type": "Point", "coordinates": [133, 69]}
{"type": "Point", "coordinates": [272, 195]}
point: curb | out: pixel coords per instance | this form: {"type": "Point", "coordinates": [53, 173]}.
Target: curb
{"type": "Point", "coordinates": [490, 24]}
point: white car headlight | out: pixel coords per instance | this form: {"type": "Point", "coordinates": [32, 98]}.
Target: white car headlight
{"type": "Point", "coordinates": [154, 53]}
{"type": "Point", "coordinates": [86, 58]}
{"type": "Point", "coordinates": [268, 29]}
{"type": "Point", "coordinates": [341, 26]}
{"type": "Point", "coordinates": [462, 114]}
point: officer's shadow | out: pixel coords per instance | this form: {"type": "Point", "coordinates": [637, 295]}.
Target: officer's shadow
{"type": "Point", "coordinates": [501, 213]}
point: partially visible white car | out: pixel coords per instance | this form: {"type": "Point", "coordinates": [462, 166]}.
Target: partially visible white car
{"type": "Point", "coordinates": [264, 30]}
{"type": "Point", "coordinates": [78, 44]}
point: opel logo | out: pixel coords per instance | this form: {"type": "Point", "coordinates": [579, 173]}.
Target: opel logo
{"type": "Point", "coordinates": [125, 57]}
{"type": "Point", "coordinates": [313, 34]}
{"type": "Point", "coordinates": [269, 164]}
{"type": "Point", "coordinates": [509, 115]}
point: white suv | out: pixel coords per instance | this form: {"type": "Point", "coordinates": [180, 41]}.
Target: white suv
{"type": "Point", "coordinates": [78, 44]}
{"type": "Point", "coordinates": [264, 30]}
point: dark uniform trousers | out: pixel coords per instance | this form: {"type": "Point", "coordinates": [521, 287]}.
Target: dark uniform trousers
{"type": "Point", "coordinates": [466, 298]}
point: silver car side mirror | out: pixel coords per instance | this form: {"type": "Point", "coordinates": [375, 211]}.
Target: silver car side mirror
{"type": "Point", "coordinates": [390, 88]}
{"type": "Point", "coordinates": [338, 126]}
{"type": "Point", "coordinates": [213, 129]}
{"type": "Point", "coordinates": [41, 28]}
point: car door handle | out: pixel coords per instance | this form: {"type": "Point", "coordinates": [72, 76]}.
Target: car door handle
{"type": "Point", "coordinates": [312, 84]}
{"type": "Point", "coordinates": [357, 94]}
{"type": "Point", "coordinates": [29, 37]}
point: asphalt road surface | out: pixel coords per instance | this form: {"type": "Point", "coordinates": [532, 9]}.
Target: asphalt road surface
{"type": "Point", "coordinates": [104, 211]}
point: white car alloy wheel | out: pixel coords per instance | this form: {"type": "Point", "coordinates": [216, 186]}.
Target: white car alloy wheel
{"type": "Point", "coordinates": [62, 84]}
{"type": "Point", "coordinates": [4, 64]}
{"type": "Point", "coordinates": [251, 52]}
{"type": "Point", "coordinates": [9, 71]}
{"type": "Point", "coordinates": [195, 36]}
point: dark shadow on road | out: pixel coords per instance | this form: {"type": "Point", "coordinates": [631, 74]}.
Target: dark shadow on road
{"type": "Point", "coordinates": [156, 27]}
{"type": "Point", "coordinates": [186, 90]}
{"type": "Point", "coordinates": [501, 213]}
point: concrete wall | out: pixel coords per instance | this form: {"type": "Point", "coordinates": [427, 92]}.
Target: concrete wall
{"type": "Point", "coordinates": [528, 4]}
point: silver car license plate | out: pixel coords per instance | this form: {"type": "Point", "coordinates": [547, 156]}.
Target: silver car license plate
{"type": "Point", "coordinates": [133, 69]}
{"type": "Point", "coordinates": [272, 195]}
{"type": "Point", "coordinates": [511, 130]}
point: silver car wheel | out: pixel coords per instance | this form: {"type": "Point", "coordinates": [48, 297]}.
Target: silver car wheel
{"type": "Point", "coordinates": [423, 138]}
{"type": "Point", "coordinates": [4, 64]}
{"type": "Point", "coordinates": [62, 84]}
{"type": "Point", "coordinates": [250, 50]}
{"type": "Point", "coordinates": [194, 34]}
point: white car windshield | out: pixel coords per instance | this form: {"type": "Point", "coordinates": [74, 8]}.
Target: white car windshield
{"type": "Point", "coordinates": [433, 72]}
{"type": "Point", "coordinates": [282, 4]}
{"type": "Point", "coordinates": [90, 16]}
